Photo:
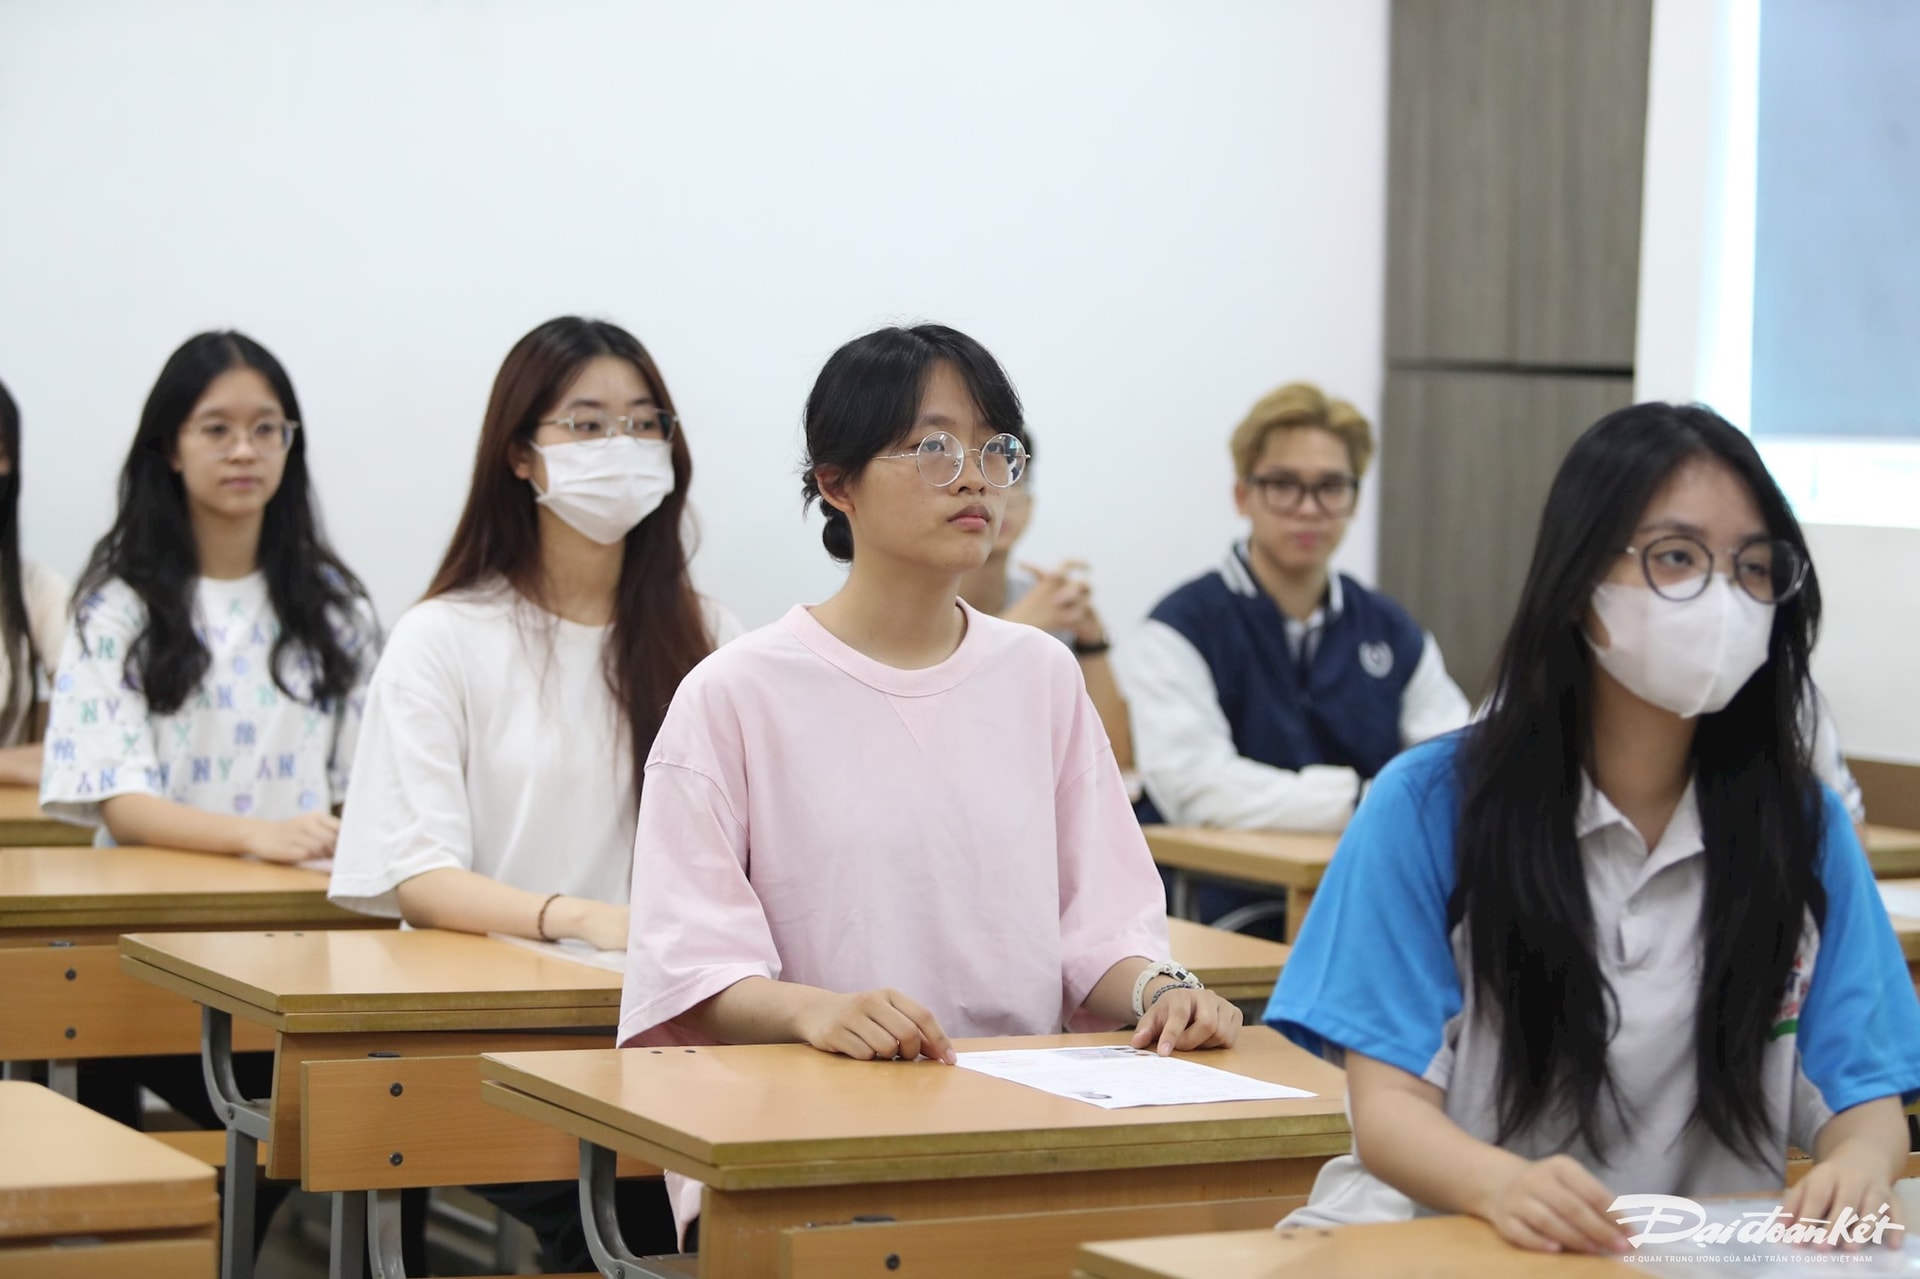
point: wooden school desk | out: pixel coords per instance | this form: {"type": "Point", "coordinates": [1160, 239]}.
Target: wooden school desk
{"type": "Point", "coordinates": [376, 1079]}
{"type": "Point", "coordinates": [1292, 860]}
{"type": "Point", "coordinates": [22, 824]}
{"type": "Point", "coordinates": [62, 911]}
{"type": "Point", "coordinates": [1893, 853]}
{"type": "Point", "coordinates": [81, 1195]}
{"type": "Point", "coordinates": [969, 1174]}
{"type": "Point", "coordinates": [1432, 1247]}
{"type": "Point", "coordinates": [1234, 966]}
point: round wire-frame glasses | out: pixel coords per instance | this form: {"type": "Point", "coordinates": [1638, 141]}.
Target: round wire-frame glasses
{"type": "Point", "coordinates": [940, 458]}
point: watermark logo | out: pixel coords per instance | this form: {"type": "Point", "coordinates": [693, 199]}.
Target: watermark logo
{"type": "Point", "coordinates": [1670, 1219]}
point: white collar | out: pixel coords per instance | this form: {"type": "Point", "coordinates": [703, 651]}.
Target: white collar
{"type": "Point", "coordinates": [1681, 839]}
{"type": "Point", "coordinates": [1237, 571]}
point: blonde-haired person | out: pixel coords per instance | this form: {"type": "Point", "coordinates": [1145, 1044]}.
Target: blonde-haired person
{"type": "Point", "coordinates": [1267, 692]}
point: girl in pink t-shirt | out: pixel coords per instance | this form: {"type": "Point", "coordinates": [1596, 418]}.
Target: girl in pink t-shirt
{"type": "Point", "coordinates": [890, 819]}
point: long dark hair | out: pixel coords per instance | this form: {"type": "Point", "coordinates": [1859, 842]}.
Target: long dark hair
{"type": "Point", "coordinates": [659, 633]}
{"type": "Point", "coordinates": [151, 546]}
{"type": "Point", "coordinates": [869, 393]}
{"type": "Point", "coordinates": [1521, 890]}
{"type": "Point", "coordinates": [16, 634]}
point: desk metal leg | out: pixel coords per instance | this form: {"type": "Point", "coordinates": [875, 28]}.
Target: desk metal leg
{"type": "Point", "coordinates": [384, 1256]}
{"type": "Point", "coordinates": [63, 1076]}
{"type": "Point", "coordinates": [347, 1234]}
{"type": "Point", "coordinates": [13, 1071]}
{"type": "Point", "coordinates": [247, 1124]}
{"type": "Point", "coordinates": [604, 1240]}
{"type": "Point", "coordinates": [1242, 918]}
{"type": "Point", "coordinates": [1183, 905]}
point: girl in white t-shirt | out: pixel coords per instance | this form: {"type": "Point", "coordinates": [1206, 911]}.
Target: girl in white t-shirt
{"type": "Point", "coordinates": [498, 772]}
{"type": "Point", "coordinates": [33, 617]}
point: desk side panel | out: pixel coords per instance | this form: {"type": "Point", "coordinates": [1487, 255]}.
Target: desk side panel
{"type": "Point", "coordinates": [76, 1002]}
{"type": "Point", "coordinates": [391, 1123]}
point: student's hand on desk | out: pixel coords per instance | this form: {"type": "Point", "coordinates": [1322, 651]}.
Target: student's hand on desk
{"type": "Point", "coordinates": [1834, 1184]}
{"type": "Point", "coordinates": [298, 839]}
{"type": "Point", "coordinates": [1556, 1205]}
{"type": "Point", "coordinates": [1188, 1019]}
{"type": "Point", "coordinates": [881, 1024]}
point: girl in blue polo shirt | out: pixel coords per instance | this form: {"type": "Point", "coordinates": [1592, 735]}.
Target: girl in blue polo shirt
{"type": "Point", "coordinates": [1615, 938]}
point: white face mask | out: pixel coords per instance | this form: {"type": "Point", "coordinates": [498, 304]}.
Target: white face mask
{"type": "Point", "coordinates": [604, 488]}
{"type": "Point", "coordinates": [1690, 656]}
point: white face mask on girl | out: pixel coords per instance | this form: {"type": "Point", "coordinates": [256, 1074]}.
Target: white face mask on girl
{"type": "Point", "coordinates": [604, 488]}
{"type": "Point", "coordinates": [1689, 656]}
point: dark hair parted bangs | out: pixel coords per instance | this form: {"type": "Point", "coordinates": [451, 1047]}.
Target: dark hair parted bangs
{"type": "Point", "coordinates": [151, 546]}
{"type": "Point", "coordinates": [1522, 890]}
{"type": "Point", "coordinates": [866, 399]}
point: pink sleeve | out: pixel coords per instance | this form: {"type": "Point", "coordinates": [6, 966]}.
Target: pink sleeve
{"type": "Point", "coordinates": [697, 926]}
{"type": "Point", "coordinates": [1112, 905]}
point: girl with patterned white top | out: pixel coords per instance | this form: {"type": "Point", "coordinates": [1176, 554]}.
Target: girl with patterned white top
{"type": "Point", "coordinates": [211, 683]}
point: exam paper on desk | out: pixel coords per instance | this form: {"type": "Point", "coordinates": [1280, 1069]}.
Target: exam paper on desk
{"type": "Point", "coordinates": [1117, 1077]}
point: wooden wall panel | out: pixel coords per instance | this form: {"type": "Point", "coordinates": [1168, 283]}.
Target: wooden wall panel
{"type": "Point", "coordinates": [1516, 138]}
{"type": "Point", "coordinates": [1581, 148]}
{"type": "Point", "coordinates": [1452, 120]}
{"type": "Point", "coordinates": [1465, 463]}
{"type": "Point", "coordinates": [1516, 134]}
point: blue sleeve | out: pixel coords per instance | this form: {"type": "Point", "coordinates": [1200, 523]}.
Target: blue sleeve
{"type": "Point", "coordinates": [1859, 1027]}
{"type": "Point", "coordinates": [1373, 970]}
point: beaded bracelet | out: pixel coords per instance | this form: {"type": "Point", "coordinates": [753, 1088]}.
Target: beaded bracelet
{"type": "Point", "coordinates": [1178, 985]}
{"type": "Point", "coordinates": [540, 920]}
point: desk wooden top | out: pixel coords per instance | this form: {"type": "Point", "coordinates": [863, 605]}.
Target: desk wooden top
{"type": "Point", "coordinates": [22, 822]}
{"type": "Point", "coordinates": [762, 1115]}
{"type": "Point", "coordinates": [135, 887]}
{"type": "Point", "coordinates": [1234, 965]}
{"type": "Point", "coordinates": [1893, 853]}
{"type": "Point", "coordinates": [1284, 859]}
{"type": "Point", "coordinates": [65, 1170]}
{"type": "Point", "coordinates": [1431, 1247]}
{"type": "Point", "coordinates": [336, 980]}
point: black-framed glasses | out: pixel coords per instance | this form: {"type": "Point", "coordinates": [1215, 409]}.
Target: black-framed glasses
{"type": "Point", "coordinates": [657, 425]}
{"type": "Point", "coordinates": [1335, 495]}
{"type": "Point", "coordinates": [941, 457]}
{"type": "Point", "coordinates": [1679, 567]}
{"type": "Point", "coordinates": [269, 439]}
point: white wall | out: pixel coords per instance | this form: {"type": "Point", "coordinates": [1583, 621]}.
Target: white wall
{"type": "Point", "coordinates": [1866, 662]}
{"type": "Point", "coordinates": [1152, 214]}
{"type": "Point", "coordinates": [1694, 342]}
